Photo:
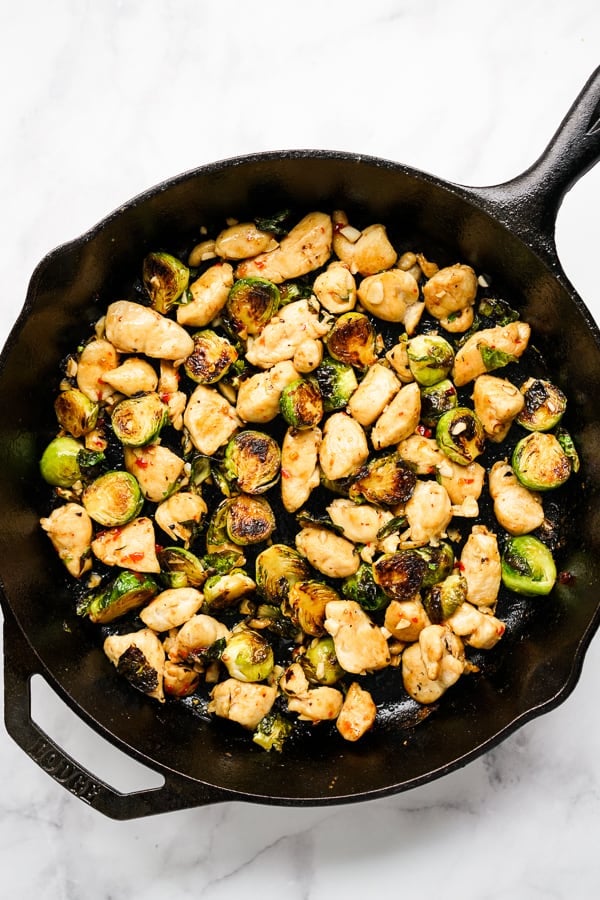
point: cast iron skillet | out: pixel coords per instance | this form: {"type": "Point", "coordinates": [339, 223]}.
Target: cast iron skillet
{"type": "Point", "coordinates": [506, 231]}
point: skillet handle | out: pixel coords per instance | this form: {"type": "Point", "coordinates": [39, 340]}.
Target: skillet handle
{"type": "Point", "coordinates": [529, 203]}
{"type": "Point", "coordinates": [176, 793]}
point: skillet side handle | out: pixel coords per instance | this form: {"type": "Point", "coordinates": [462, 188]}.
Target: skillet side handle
{"type": "Point", "coordinates": [530, 202]}
{"type": "Point", "coordinates": [176, 793]}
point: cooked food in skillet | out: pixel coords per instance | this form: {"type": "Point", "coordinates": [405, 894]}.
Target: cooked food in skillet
{"type": "Point", "coordinates": [299, 461]}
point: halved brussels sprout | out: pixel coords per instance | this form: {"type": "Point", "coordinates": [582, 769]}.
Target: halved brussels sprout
{"type": "Point", "coordinates": [248, 656]}
{"type": "Point", "coordinates": [353, 340]}
{"type": "Point", "coordinates": [181, 568]}
{"type": "Point", "coordinates": [165, 278]}
{"type": "Point", "coordinates": [460, 434]}
{"type": "Point", "coordinates": [248, 520]}
{"type": "Point", "coordinates": [337, 382]}
{"type": "Point", "coordinates": [306, 602]}
{"type": "Point", "coordinates": [564, 439]}
{"type": "Point", "coordinates": [400, 574]}
{"type": "Point", "coordinates": [278, 567]}
{"type": "Point", "coordinates": [301, 404]}
{"type": "Point", "coordinates": [113, 499]}
{"type": "Point", "coordinates": [320, 664]}
{"type": "Point", "coordinates": [59, 464]}
{"type": "Point", "coordinates": [540, 463]}
{"type": "Point", "coordinates": [444, 598]}
{"type": "Point", "coordinates": [436, 400]}
{"type": "Point", "coordinates": [364, 590]}
{"type": "Point", "coordinates": [387, 480]}
{"type": "Point", "coordinates": [440, 562]}
{"type": "Point", "coordinates": [126, 592]}
{"type": "Point", "coordinates": [527, 566]}
{"type": "Point", "coordinates": [136, 421]}
{"type": "Point", "coordinates": [75, 412]}
{"type": "Point", "coordinates": [211, 358]}
{"type": "Point", "coordinates": [272, 732]}
{"type": "Point", "coordinates": [252, 462]}
{"type": "Point", "coordinates": [430, 358]}
{"type": "Point", "coordinates": [217, 538]}
{"type": "Point", "coordinates": [222, 591]}
{"type": "Point", "coordinates": [250, 305]}
{"type": "Point", "coordinates": [545, 405]}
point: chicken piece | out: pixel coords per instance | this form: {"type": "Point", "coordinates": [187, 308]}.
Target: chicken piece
{"type": "Point", "coordinates": [209, 295]}
{"type": "Point", "coordinates": [478, 629]}
{"type": "Point", "coordinates": [391, 296]}
{"type": "Point", "coordinates": [357, 714]}
{"type": "Point", "coordinates": [365, 252]}
{"type": "Point", "coordinates": [171, 608]}
{"type": "Point", "coordinates": [318, 704]}
{"type": "Point", "coordinates": [243, 702]}
{"type": "Point", "coordinates": [449, 296]}
{"type": "Point", "coordinates": [140, 658]}
{"type": "Point", "coordinates": [428, 512]}
{"type": "Point", "coordinates": [359, 522]}
{"type": "Point", "coordinates": [517, 509]}
{"type": "Point", "coordinates": [133, 376]}
{"type": "Point", "coordinates": [195, 637]}
{"type": "Point", "coordinates": [294, 681]}
{"type": "Point", "coordinates": [308, 356]}
{"type": "Point", "coordinates": [335, 289]}
{"type": "Point", "coordinates": [399, 419]}
{"type": "Point", "coordinates": [406, 619]}
{"type": "Point", "coordinates": [344, 447]}
{"type": "Point", "coordinates": [422, 453]}
{"type": "Point", "coordinates": [284, 333]}
{"type": "Point", "coordinates": [305, 248]}
{"type": "Point", "coordinates": [133, 328]}
{"type": "Point", "coordinates": [327, 552]}
{"type": "Point", "coordinates": [209, 419]}
{"type": "Point", "coordinates": [258, 396]}
{"type": "Point", "coordinates": [299, 466]}
{"type": "Point", "coordinates": [497, 403]}
{"type": "Point", "coordinates": [360, 645]}
{"type": "Point", "coordinates": [398, 360]}
{"type": "Point", "coordinates": [131, 546]}
{"type": "Point", "coordinates": [461, 482]}
{"type": "Point", "coordinates": [373, 394]}
{"type": "Point", "coordinates": [476, 355]}
{"type": "Point", "coordinates": [180, 515]}
{"type": "Point", "coordinates": [157, 469]}
{"type": "Point", "coordinates": [96, 360]}
{"type": "Point", "coordinates": [178, 680]}
{"type": "Point", "coordinates": [70, 529]}
{"type": "Point", "coordinates": [480, 566]}
{"type": "Point", "coordinates": [242, 241]}
{"type": "Point", "coordinates": [433, 663]}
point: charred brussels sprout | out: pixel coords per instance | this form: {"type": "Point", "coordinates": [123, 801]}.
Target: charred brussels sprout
{"type": "Point", "coordinates": [540, 463]}
{"type": "Point", "coordinates": [320, 663]}
{"type": "Point", "coordinates": [272, 732]}
{"type": "Point", "coordinates": [211, 357]}
{"type": "Point", "coordinates": [250, 305]}
{"type": "Point", "coordinates": [165, 278]}
{"type": "Point", "coordinates": [400, 575]}
{"type": "Point", "coordinates": [301, 404]}
{"type": "Point", "coordinates": [136, 421]}
{"type": "Point", "coordinates": [306, 602]}
{"type": "Point", "coordinates": [277, 569]}
{"type": "Point", "coordinates": [387, 480]}
{"type": "Point", "coordinates": [59, 465]}
{"type": "Point", "coordinates": [337, 382]}
{"type": "Point", "coordinates": [430, 358]}
{"type": "Point", "coordinates": [460, 434]}
{"type": "Point", "coordinates": [113, 499]}
{"type": "Point", "coordinates": [75, 412]}
{"type": "Point", "coordinates": [252, 462]}
{"type": "Point", "coordinates": [436, 400]}
{"type": "Point", "coordinates": [353, 340]}
{"type": "Point", "coordinates": [440, 562]}
{"type": "Point", "coordinates": [544, 407]}
{"type": "Point", "coordinates": [248, 656]}
{"type": "Point", "coordinates": [128, 591]}
{"type": "Point", "coordinates": [444, 598]}
{"type": "Point", "coordinates": [181, 568]}
{"type": "Point", "coordinates": [248, 520]}
{"type": "Point", "coordinates": [364, 590]}
{"type": "Point", "coordinates": [527, 566]}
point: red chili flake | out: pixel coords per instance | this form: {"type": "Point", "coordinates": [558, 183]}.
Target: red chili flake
{"type": "Point", "coordinates": [141, 462]}
{"type": "Point", "coordinates": [165, 397]}
{"type": "Point", "coordinates": [136, 556]}
{"type": "Point", "coordinates": [284, 473]}
{"type": "Point", "coordinates": [259, 263]}
{"type": "Point", "coordinates": [424, 431]}
{"type": "Point", "coordinates": [460, 565]}
{"type": "Point", "coordinates": [567, 578]}
{"type": "Point", "coordinates": [501, 629]}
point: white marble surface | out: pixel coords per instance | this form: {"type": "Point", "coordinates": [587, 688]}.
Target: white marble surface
{"type": "Point", "coordinates": [101, 100]}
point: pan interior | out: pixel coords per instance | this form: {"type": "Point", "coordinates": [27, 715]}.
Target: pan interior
{"type": "Point", "coordinates": [69, 291]}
